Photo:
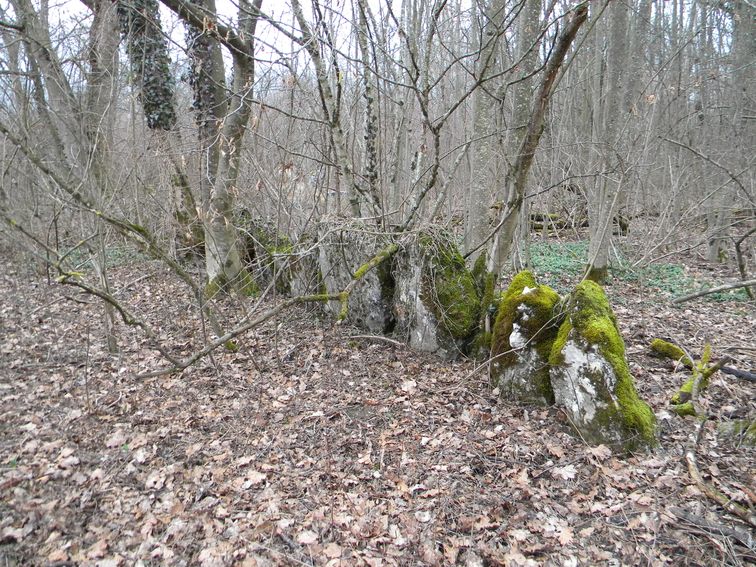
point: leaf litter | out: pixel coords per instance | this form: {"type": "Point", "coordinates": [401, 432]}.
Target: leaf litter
{"type": "Point", "coordinates": [310, 447]}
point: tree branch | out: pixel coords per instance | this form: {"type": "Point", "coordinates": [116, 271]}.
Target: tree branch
{"type": "Point", "coordinates": [713, 290]}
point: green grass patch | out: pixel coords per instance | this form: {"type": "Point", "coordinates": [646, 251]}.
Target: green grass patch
{"type": "Point", "coordinates": [560, 258]}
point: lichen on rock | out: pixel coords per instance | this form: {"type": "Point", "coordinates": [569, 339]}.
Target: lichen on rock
{"type": "Point", "coordinates": [591, 379]}
{"type": "Point", "coordinates": [525, 329]}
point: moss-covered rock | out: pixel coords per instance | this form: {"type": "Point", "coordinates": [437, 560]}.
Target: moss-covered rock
{"type": "Point", "coordinates": [448, 286]}
{"type": "Point", "coordinates": [244, 284]}
{"type": "Point", "coordinates": [591, 379]}
{"type": "Point", "coordinates": [523, 335]}
{"type": "Point", "coordinates": [436, 299]}
{"type": "Point", "coordinates": [265, 251]}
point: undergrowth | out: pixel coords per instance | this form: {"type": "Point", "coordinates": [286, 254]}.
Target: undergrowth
{"type": "Point", "coordinates": [561, 264]}
{"type": "Point", "coordinates": [115, 256]}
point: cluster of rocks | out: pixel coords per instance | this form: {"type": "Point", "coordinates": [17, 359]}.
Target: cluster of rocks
{"type": "Point", "coordinates": [544, 349]}
{"type": "Point", "coordinates": [569, 352]}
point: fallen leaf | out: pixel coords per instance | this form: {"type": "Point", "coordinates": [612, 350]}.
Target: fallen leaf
{"type": "Point", "coordinates": [307, 537]}
{"type": "Point", "coordinates": [98, 549]}
{"type": "Point", "coordinates": [409, 386]}
{"type": "Point", "coordinates": [423, 516]}
{"type": "Point", "coordinates": [601, 452]}
{"type": "Point", "coordinates": [332, 550]}
{"type": "Point", "coordinates": [116, 439]}
{"type": "Point", "coordinates": [519, 534]}
{"type": "Point", "coordinates": [68, 462]}
{"type": "Point", "coordinates": [565, 535]}
{"type": "Point", "coordinates": [567, 472]}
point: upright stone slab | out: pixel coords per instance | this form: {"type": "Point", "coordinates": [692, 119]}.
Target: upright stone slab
{"type": "Point", "coordinates": [305, 269]}
{"type": "Point", "coordinates": [524, 332]}
{"type": "Point", "coordinates": [436, 301]}
{"type": "Point", "coordinates": [265, 251]}
{"type": "Point", "coordinates": [591, 379]}
{"type": "Point", "coordinates": [344, 247]}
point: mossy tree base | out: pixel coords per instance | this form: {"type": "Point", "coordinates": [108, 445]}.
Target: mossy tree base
{"type": "Point", "coordinates": [485, 281]}
{"type": "Point", "coordinates": [591, 379]}
{"type": "Point", "coordinates": [523, 335]}
{"type": "Point", "coordinates": [597, 275]}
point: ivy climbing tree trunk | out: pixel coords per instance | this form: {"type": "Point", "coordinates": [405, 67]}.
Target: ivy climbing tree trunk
{"type": "Point", "coordinates": [222, 114]}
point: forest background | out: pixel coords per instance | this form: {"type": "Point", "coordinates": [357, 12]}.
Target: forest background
{"type": "Point", "coordinates": [218, 176]}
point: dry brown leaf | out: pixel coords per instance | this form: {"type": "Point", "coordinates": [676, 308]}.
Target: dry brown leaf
{"type": "Point", "coordinates": [98, 549]}
{"type": "Point", "coordinates": [332, 550]}
{"type": "Point", "coordinates": [307, 537]}
{"type": "Point", "coordinates": [565, 535]}
{"type": "Point", "coordinates": [117, 439]}
{"type": "Point", "coordinates": [567, 472]}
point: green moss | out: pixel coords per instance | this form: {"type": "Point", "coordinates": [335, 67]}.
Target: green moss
{"type": "Point", "coordinates": [684, 409]}
{"type": "Point", "coordinates": [265, 249]}
{"type": "Point", "coordinates": [480, 272]}
{"type": "Point", "coordinates": [214, 287]}
{"type": "Point", "coordinates": [702, 372]}
{"type": "Point", "coordinates": [667, 350]}
{"type": "Point", "coordinates": [246, 284]}
{"type": "Point", "coordinates": [591, 319]}
{"type": "Point", "coordinates": [540, 298]}
{"type": "Point", "coordinates": [535, 309]}
{"type": "Point", "coordinates": [489, 306]}
{"type": "Point", "coordinates": [450, 287]}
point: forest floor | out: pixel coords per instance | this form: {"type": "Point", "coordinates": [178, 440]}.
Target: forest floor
{"type": "Point", "coordinates": [309, 446]}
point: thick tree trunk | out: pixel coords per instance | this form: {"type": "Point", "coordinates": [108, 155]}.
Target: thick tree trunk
{"type": "Point", "coordinates": [484, 135]}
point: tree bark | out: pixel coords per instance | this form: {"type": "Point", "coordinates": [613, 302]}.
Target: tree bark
{"type": "Point", "coordinates": [609, 118]}
{"type": "Point", "coordinates": [515, 181]}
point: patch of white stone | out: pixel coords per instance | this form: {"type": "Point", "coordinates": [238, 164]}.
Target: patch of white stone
{"type": "Point", "coordinates": [575, 390]}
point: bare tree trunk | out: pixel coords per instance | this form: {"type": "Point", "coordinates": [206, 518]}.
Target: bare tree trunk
{"type": "Point", "coordinates": [484, 133]}
{"type": "Point", "coordinates": [370, 159]}
{"type": "Point", "coordinates": [527, 57]}
{"type": "Point", "coordinates": [331, 104]}
{"type": "Point", "coordinates": [602, 203]}
{"type": "Point", "coordinates": [98, 123]}
{"type": "Point", "coordinates": [516, 179]}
